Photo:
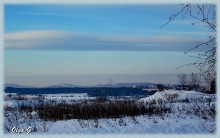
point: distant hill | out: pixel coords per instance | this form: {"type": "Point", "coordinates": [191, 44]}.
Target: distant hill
{"type": "Point", "coordinates": [16, 86]}
{"type": "Point", "coordinates": [66, 85]}
{"type": "Point", "coordinates": [126, 84]}
{"type": "Point", "coordinates": [118, 89]}
{"type": "Point", "coordinates": [63, 85]}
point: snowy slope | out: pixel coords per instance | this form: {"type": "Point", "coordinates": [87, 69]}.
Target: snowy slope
{"type": "Point", "coordinates": [179, 95]}
{"type": "Point", "coordinates": [191, 113]}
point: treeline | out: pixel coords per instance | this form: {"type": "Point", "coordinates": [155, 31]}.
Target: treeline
{"type": "Point", "coordinates": [92, 92]}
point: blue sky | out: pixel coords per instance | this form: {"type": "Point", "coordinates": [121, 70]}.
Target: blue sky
{"type": "Point", "coordinates": [66, 41]}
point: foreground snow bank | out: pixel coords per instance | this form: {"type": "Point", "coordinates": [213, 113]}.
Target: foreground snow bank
{"type": "Point", "coordinates": [138, 125]}
{"type": "Point", "coordinates": [191, 113]}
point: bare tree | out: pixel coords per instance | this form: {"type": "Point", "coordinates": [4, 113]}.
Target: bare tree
{"type": "Point", "coordinates": [194, 80]}
{"type": "Point", "coordinates": [106, 90]}
{"type": "Point", "coordinates": [182, 79]}
{"type": "Point", "coordinates": [202, 14]}
{"type": "Point", "coordinates": [109, 83]}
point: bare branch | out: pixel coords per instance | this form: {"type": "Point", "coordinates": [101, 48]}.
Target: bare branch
{"type": "Point", "coordinates": [205, 62]}
{"type": "Point", "coordinates": [172, 17]}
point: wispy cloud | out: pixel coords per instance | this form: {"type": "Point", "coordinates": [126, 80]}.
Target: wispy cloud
{"type": "Point", "coordinates": [60, 40]}
{"type": "Point", "coordinates": [84, 16]}
{"type": "Point", "coordinates": [163, 32]}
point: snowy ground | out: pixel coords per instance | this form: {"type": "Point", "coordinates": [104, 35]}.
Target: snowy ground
{"type": "Point", "coordinates": [191, 113]}
{"type": "Point", "coordinates": [169, 124]}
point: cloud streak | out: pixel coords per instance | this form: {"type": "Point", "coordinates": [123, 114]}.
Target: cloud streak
{"type": "Point", "coordinates": [64, 15]}
{"type": "Point", "coordinates": [60, 40]}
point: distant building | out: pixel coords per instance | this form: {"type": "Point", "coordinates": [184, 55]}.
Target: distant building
{"type": "Point", "coordinates": [208, 88]}
{"type": "Point", "coordinates": [154, 88]}
{"type": "Point", "coordinates": [138, 86]}
{"type": "Point", "coordinates": [183, 87]}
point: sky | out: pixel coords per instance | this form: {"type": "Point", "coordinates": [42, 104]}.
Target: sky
{"type": "Point", "coordinates": [90, 44]}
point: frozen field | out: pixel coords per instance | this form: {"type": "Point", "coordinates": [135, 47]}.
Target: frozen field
{"type": "Point", "coordinates": [191, 112]}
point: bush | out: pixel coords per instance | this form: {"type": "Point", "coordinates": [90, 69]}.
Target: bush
{"type": "Point", "coordinates": [98, 109]}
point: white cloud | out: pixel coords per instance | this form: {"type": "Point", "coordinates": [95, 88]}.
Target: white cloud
{"type": "Point", "coordinates": [60, 40]}
{"type": "Point", "coordinates": [40, 34]}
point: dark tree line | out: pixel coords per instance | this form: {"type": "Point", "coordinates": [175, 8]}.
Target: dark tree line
{"type": "Point", "coordinates": [102, 92]}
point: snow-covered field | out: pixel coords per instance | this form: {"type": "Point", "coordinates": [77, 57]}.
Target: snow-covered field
{"type": "Point", "coordinates": [191, 113]}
